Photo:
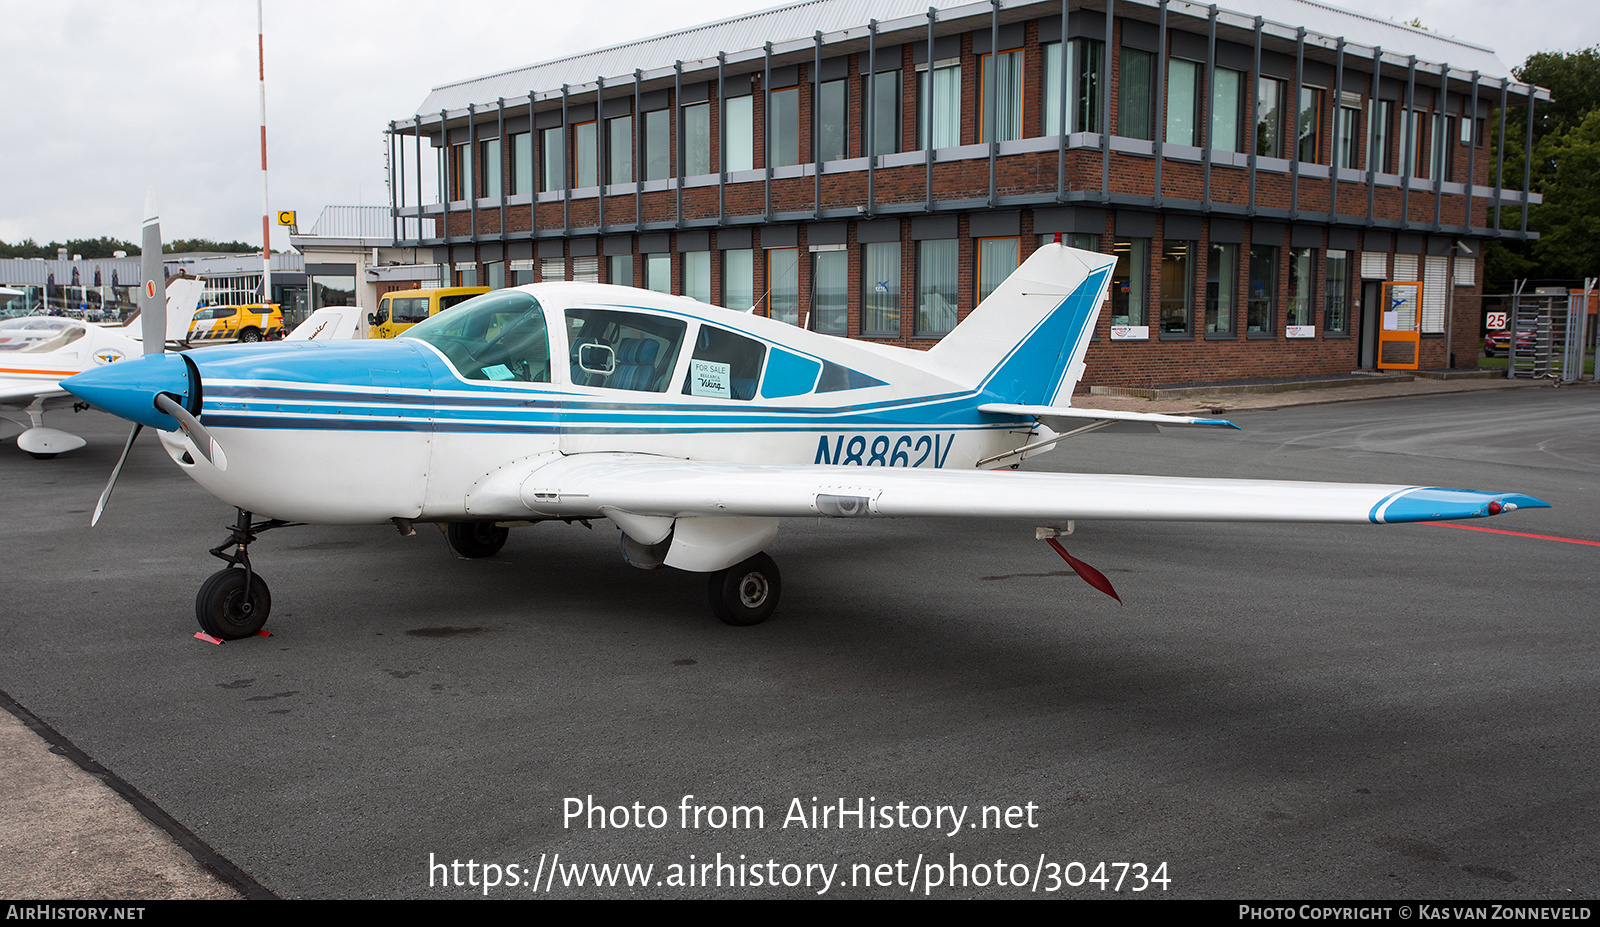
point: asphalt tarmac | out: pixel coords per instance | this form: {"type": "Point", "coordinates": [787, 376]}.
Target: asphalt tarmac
{"type": "Point", "coordinates": [939, 708]}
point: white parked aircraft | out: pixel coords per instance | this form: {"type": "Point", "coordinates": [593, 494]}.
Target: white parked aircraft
{"type": "Point", "coordinates": [693, 428]}
{"type": "Point", "coordinates": [37, 352]}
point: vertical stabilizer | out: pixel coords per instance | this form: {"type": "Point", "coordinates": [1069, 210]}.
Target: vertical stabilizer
{"type": "Point", "coordinates": [153, 285]}
{"type": "Point", "coordinates": [1025, 343]}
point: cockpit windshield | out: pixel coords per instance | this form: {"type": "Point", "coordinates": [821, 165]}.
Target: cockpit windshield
{"type": "Point", "coordinates": [496, 336]}
{"type": "Point", "coordinates": [37, 334]}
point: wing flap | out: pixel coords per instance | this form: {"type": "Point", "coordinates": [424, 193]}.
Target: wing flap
{"type": "Point", "coordinates": [669, 487]}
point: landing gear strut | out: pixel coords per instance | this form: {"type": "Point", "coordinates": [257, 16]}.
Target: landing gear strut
{"type": "Point", "coordinates": [234, 602]}
{"type": "Point", "coordinates": [746, 593]}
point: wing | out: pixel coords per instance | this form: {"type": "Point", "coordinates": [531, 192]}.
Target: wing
{"type": "Point", "coordinates": [668, 488]}
{"type": "Point", "coordinates": [20, 395]}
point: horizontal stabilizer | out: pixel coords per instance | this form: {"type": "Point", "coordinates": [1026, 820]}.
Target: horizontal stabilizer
{"type": "Point", "coordinates": [1066, 418]}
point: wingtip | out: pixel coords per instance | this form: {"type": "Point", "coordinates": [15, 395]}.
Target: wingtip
{"type": "Point", "coordinates": [1434, 503]}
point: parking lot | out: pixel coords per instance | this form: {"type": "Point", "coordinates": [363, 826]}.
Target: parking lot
{"type": "Point", "coordinates": [1276, 711]}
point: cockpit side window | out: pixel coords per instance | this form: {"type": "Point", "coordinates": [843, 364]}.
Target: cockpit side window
{"type": "Point", "coordinates": [622, 350]}
{"type": "Point", "coordinates": [724, 365]}
{"type": "Point", "coordinates": [497, 336]}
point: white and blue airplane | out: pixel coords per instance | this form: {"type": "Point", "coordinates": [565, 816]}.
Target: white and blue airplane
{"type": "Point", "coordinates": [693, 428]}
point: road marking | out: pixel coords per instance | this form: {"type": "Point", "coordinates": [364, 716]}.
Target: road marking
{"type": "Point", "coordinates": [1519, 534]}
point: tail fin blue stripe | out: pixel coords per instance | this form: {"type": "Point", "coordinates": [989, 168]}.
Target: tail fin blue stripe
{"type": "Point", "coordinates": [1030, 373]}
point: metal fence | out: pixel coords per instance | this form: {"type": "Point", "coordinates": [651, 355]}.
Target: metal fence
{"type": "Point", "coordinates": [1547, 334]}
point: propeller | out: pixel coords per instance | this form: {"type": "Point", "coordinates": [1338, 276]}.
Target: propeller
{"type": "Point", "coordinates": [153, 326]}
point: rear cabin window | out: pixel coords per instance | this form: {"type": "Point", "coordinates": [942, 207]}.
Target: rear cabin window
{"type": "Point", "coordinates": [724, 365]}
{"type": "Point", "coordinates": [617, 349]}
{"type": "Point", "coordinates": [498, 336]}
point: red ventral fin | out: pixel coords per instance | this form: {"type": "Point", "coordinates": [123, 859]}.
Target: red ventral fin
{"type": "Point", "coordinates": [1088, 573]}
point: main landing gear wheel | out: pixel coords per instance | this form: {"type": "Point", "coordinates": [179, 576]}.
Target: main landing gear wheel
{"type": "Point", "coordinates": [476, 539]}
{"type": "Point", "coordinates": [746, 593]}
{"type": "Point", "coordinates": [225, 611]}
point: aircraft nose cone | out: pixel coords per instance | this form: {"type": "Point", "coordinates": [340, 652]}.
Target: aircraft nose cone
{"type": "Point", "coordinates": [128, 388]}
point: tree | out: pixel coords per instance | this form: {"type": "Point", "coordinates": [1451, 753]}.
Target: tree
{"type": "Point", "coordinates": [1563, 142]}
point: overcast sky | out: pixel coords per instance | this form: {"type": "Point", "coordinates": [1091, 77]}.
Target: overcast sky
{"type": "Point", "coordinates": [101, 99]}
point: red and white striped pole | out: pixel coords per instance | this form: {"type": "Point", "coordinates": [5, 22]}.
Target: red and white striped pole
{"type": "Point", "coordinates": [266, 210]}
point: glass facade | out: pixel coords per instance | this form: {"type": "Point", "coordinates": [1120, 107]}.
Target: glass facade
{"type": "Point", "coordinates": [1136, 94]}
{"type": "Point", "coordinates": [783, 284]}
{"type": "Point", "coordinates": [738, 279]}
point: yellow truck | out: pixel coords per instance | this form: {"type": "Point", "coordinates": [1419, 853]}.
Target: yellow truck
{"type": "Point", "coordinates": [402, 309]}
{"type": "Point", "coordinates": [248, 324]}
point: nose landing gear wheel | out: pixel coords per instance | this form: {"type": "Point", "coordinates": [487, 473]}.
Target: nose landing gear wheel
{"type": "Point", "coordinates": [746, 593]}
{"type": "Point", "coordinates": [225, 611]}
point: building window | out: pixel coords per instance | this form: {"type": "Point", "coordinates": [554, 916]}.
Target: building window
{"type": "Point", "coordinates": [495, 275]}
{"type": "Point", "coordinates": [1309, 132]}
{"type": "Point", "coordinates": [1269, 117]}
{"type": "Point", "coordinates": [585, 155]}
{"type": "Point", "coordinates": [783, 127]}
{"type": "Point", "coordinates": [555, 170]}
{"type": "Point", "coordinates": [657, 144]}
{"type": "Point", "coordinates": [619, 269]}
{"type": "Point", "coordinates": [658, 272]}
{"type": "Point", "coordinates": [1336, 306]}
{"type": "Point", "coordinates": [738, 279]}
{"type": "Point", "coordinates": [880, 289]}
{"type": "Point", "coordinates": [830, 290]}
{"type": "Point", "coordinates": [524, 272]}
{"type": "Point", "coordinates": [695, 127]}
{"type": "Point", "coordinates": [490, 147]}
{"type": "Point", "coordinates": [833, 121]}
{"type": "Point", "coordinates": [1440, 155]}
{"type": "Point", "coordinates": [1001, 89]}
{"type": "Point", "coordinates": [1262, 304]}
{"type": "Point", "coordinates": [551, 268]}
{"type": "Point", "coordinates": [695, 275]}
{"type": "Point", "coordinates": [1347, 148]}
{"type": "Point", "coordinates": [585, 268]}
{"type": "Point", "coordinates": [880, 121]}
{"type": "Point", "coordinates": [1083, 241]}
{"type": "Point", "coordinates": [1082, 67]}
{"type": "Point", "coordinates": [1222, 287]}
{"type": "Point", "coordinates": [1227, 107]}
{"type": "Point", "coordinates": [1380, 130]}
{"type": "Point", "coordinates": [1136, 88]}
{"type": "Point", "coordinates": [937, 263]}
{"type": "Point", "coordinates": [460, 172]}
{"type": "Point", "coordinates": [939, 106]}
{"type": "Point", "coordinates": [1089, 68]}
{"type": "Point", "coordinates": [997, 258]}
{"type": "Point", "coordinates": [739, 133]}
{"type": "Point", "coordinates": [1302, 284]}
{"type": "Point", "coordinates": [1183, 102]}
{"type": "Point", "coordinates": [521, 163]}
{"type": "Point", "coordinates": [1413, 158]}
{"type": "Point", "coordinates": [1177, 288]}
{"type": "Point", "coordinates": [1130, 282]}
{"type": "Point", "coordinates": [619, 150]}
{"type": "Point", "coordinates": [783, 285]}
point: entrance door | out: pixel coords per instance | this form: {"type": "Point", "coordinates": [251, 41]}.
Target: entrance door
{"type": "Point", "coordinates": [1371, 302]}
